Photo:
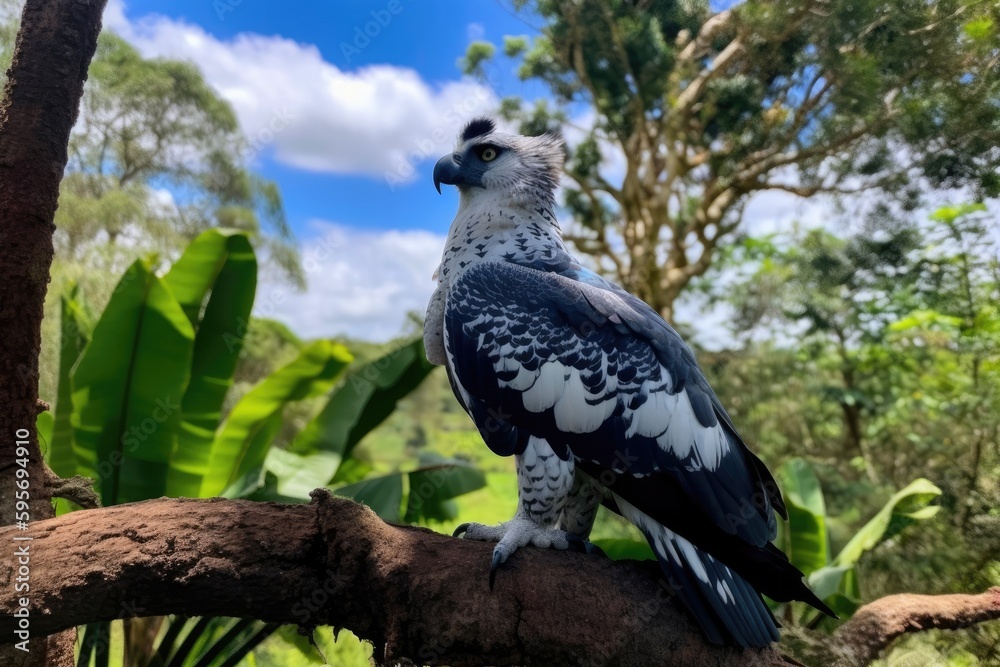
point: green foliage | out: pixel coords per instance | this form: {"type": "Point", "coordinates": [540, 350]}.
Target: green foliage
{"type": "Point", "coordinates": [384, 495]}
{"type": "Point", "coordinates": [875, 356]}
{"type": "Point", "coordinates": [898, 338]}
{"type": "Point", "coordinates": [156, 158]}
{"type": "Point", "coordinates": [434, 485]}
{"type": "Point", "coordinates": [221, 266]}
{"type": "Point", "coordinates": [148, 383]}
{"type": "Point", "coordinates": [145, 122]}
{"type": "Point", "coordinates": [192, 641]}
{"type": "Point", "coordinates": [618, 548]}
{"type": "Point", "coordinates": [477, 54]}
{"type": "Point", "coordinates": [514, 45]}
{"type": "Point", "coordinates": [127, 388]}
{"type": "Point", "coordinates": [361, 402]}
{"type": "Point", "coordinates": [75, 329]}
{"type": "Point", "coordinates": [807, 543]}
{"type": "Point", "coordinates": [322, 454]}
{"type": "Point", "coordinates": [244, 438]}
{"type": "Point", "coordinates": [908, 505]}
{"type": "Point", "coordinates": [980, 29]}
{"type": "Point", "coordinates": [268, 344]}
{"type": "Point", "coordinates": [324, 647]}
{"type": "Point", "coordinates": [148, 388]}
{"type": "Point", "coordinates": [9, 21]}
{"type": "Point", "coordinates": [369, 394]}
{"type": "Point", "coordinates": [707, 108]}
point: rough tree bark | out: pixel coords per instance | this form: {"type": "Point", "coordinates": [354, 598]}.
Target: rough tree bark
{"type": "Point", "coordinates": [418, 596]}
{"type": "Point", "coordinates": [56, 41]}
{"type": "Point", "coordinates": [875, 625]}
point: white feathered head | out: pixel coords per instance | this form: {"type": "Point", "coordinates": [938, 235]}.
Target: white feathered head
{"type": "Point", "coordinates": [508, 165]}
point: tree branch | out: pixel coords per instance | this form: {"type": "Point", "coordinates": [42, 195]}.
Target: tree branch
{"type": "Point", "coordinates": [699, 46]}
{"type": "Point", "coordinates": [807, 191]}
{"type": "Point", "coordinates": [418, 596]}
{"type": "Point", "coordinates": [765, 165]}
{"type": "Point", "coordinates": [415, 594]}
{"type": "Point", "coordinates": [718, 65]}
{"type": "Point", "coordinates": [876, 625]}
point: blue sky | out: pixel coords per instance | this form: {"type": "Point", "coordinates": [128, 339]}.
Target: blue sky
{"type": "Point", "coordinates": [347, 106]}
{"type": "Point", "coordinates": [424, 36]}
{"type": "Point", "coordinates": [350, 124]}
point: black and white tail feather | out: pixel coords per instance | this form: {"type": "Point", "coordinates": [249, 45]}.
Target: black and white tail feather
{"type": "Point", "coordinates": [725, 606]}
{"type": "Point", "coordinates": [542, 352]}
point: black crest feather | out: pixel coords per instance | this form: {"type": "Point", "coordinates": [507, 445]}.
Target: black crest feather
{"type": "Point", "coordinates": [477, 127]}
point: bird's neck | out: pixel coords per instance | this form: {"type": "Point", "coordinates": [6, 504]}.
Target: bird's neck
{"type": "Point", "coordinates": [489, 228]}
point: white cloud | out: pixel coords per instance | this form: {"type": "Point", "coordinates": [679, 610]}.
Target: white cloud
{"type": "Point", "coordinates": [475, 32]}
{"type": "Point", "coordinates": [767, 212]}
{"type": "Point", "coordinates": [163, 201]}
{"type": "Point", "coordinates": [773, 211]}
{"type": "Point", "coordinates": [379, 120]}
{"type": "Point", "coordinates": [359, 283]}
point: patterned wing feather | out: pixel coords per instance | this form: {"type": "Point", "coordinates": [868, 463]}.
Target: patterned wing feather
{"type": "Point", "coordinates": [601, 377]}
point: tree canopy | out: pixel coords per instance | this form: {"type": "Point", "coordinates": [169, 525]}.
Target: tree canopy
{"type": "Point", "coordinates": [149, 127]}
{"type": "Point", "coordinates": [707, 108]}
{"type": "Point", "coordinates": [156, 157]}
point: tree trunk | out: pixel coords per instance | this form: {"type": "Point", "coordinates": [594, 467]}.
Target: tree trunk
{"type": "Point", "coordinates": [56, 41]}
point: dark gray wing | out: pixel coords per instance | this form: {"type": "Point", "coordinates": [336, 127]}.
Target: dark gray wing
{"type": "Point", "coordinates": [602, 378]}
{"type": "Point", "coordinates": [586, 370]}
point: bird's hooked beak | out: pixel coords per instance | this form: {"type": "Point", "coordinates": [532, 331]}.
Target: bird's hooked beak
{"type": "Point", "coordinates": [448, 170]}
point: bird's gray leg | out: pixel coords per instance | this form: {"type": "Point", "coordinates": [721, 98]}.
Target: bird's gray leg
{"type": "Point", "coordinates": [580, 510]}
{"type": "Point", "coordinates": [544, 485]}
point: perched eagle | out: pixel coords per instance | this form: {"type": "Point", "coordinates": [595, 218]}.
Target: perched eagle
{"type": "Point", "coordinates": [596, 396]}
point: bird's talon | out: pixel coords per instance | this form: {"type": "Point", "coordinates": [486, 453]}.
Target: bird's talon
{"type": "Point", "coordinates": [460, 530]}
{"type": "Point", "coordinates": [497, 559]}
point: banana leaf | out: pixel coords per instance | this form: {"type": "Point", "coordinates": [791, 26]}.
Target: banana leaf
{"type": "Point", "coordinates": [907, 506]}
{"type": "Point", "coordinates": [242, 443]}
{"type": "Point", "coordinates": [623, 548]}
{"type": "Point", "coordinates": [75, 325]}
{"type": "Point", "coordinates": [44, 424]}
{"type": "Point", "coordinates": [384, 495]}
{"type": "Point", "coordinates": [221, 265]}
{"type": "Point", "coordinates": [431, 487]}
{"type": "Point", "coordinates": [836, 583]}
{"type": "Point", "coordinates": [911, 504]}
{"type": "Point", "coordinates": [368, 395]}
{"type": "Point", "coordinates": [807, 541]}
{"type": "Point", "coordinates": [127, 388]}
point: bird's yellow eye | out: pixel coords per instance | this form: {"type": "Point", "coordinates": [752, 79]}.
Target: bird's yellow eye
{"type": "Point", "coordinates": [489, 153]}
